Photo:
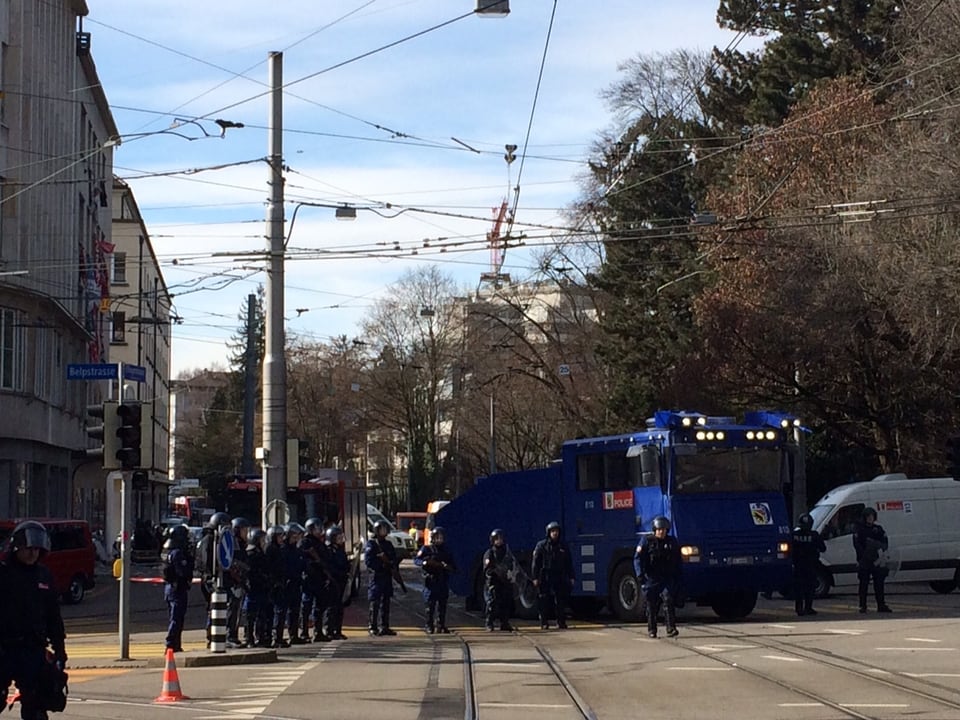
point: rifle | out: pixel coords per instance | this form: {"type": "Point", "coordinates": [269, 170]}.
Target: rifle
{"type": "Point", "coordinates": [395, 571]}
{"type": "Point", "coordinates": [394, 566]}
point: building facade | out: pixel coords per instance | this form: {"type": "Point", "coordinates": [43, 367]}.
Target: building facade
{"type": "Point", "coordinates": [56, 159]}
{"type": "Point", "coordinates": [139, 336]}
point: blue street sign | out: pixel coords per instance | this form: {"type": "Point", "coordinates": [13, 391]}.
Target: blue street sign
{"type": "Point", "coordinates": [92, 371]}
{"type": "Point", "coordinates": [137, 373]}
{"type": "Point", "coordinates": [225, 550]}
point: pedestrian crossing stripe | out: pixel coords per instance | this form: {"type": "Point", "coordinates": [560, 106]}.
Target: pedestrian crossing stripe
{"type": "Point", "coordinates": [137, 650]}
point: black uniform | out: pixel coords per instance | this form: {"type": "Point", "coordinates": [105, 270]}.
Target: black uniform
{"type": "Point", "coordinates": [381, 560]}
{"type": "Point", "coordinates": [658, 567]}
{"type": "Point", "coordinates": [314, 593]}
{"type": "Point", "coordinates": [499, 566]}
{"type": "Point", "coordinates": [339, 565]}
{"type": "Point", "coordinates": [553, 570]}
{"type": "Point", "coordinates": [29, 621]}
{"type": "Point", "coordinates": [256, 604]}
{"type": "Point", "coordinates": [436, 562]}
{"type": "Point", "coordinates": [807, 546]}
{"type": "Point", "coordinates": [178, 576]}
{"type": "Point", "coordinates": [870, 540]}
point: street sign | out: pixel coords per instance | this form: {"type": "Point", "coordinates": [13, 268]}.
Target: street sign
{"type": "Point", "coordinates": [137, 373]}
{"type": "Point", "coordinates": [225, 550]}
{"type": "Point", "coordinates": [564, 370]}
{"type": "Point", "coordinates": [92, 371]}
{"type": "Point", "coordinates": [188, 483]}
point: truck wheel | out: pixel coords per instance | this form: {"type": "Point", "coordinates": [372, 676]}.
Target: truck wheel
{"type": "Point", "coordinates": [734, 605]}
{"type": "Point", "coordinates": [626, 598]}
{"type": "Point", "coordinates": [943, 586]}
{"type": "Point", "coordinates": [824, 583]}
{"type": "Point", "coordinates": [75, 591]}
{"type": "Point", "coordinates": [478, 600]}
{"type": "Point", "coordinates": [525, 599]}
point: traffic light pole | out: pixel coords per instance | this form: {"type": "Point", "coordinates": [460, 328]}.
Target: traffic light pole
{"type": "Point", "coordinates": [125, 543]}
{"type": "Point", "coordinates": [274, 362]}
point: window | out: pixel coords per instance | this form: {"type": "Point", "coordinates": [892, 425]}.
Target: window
{"type": "Point", "coordinates": [727, 470]}
{"type": "Point", "coordinates": [844, 522]}
{"type": "Point", "coordinates": [41, 363]}
{"type": "Point", "coordinates": [608, 471]}
{"type": "Point", "coordinates": [118, 327]}
{"type": "Point", "coordinates": [119, 268]}
{"type": "Point", "coordinates": [12, 350]}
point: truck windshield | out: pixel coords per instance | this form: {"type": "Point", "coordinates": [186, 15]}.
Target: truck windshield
{"type": "Point", "coordinates": [727, 470]}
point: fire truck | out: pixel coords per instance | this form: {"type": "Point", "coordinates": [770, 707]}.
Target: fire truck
{"type": "Point", "coordinates": [723, 484]}
{"type": "Point", "coordinates": [336, 495]}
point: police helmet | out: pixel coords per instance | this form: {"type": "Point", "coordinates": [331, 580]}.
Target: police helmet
{"type": "Point", "coordinates": [238, 523]}
{"type": "Point", "coordinates": [332, 532]}
{"type": "Point", "coordinates": [497, 533]}
{"type": "Point", "coordinates": [552, 526]}
{"type": "Point", "coordinates": [381, 525]}
{"type": "Point", "coordinates": [661, 522]}
{"type": "Point", "coordinates": [294, 528]}
{"type": "Point", "coordinates": [30, 534]}
{"type": "Point", "coordinates": [275, 534]}
{"type": "Point", "coordinates": [178, 535]}
{"type": "Point", "coordinates": [314, 524]}
{"type": "Point", "coordinates": [438, 536]}
{"type": "Point", "coordinates": [256, 537]}
{"type": "Point", "coordinates": [869, 512]}
{"type": "Point", "coordinates": [218, 520]}
{"type": "Point", "coordinates": [805, 522]}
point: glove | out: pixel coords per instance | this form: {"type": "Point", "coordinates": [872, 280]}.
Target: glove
{"type": "Point", "coordinates": [60, 655]}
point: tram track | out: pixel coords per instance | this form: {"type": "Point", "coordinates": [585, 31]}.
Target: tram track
{"type": "Point", "coordinates": [899, 682]}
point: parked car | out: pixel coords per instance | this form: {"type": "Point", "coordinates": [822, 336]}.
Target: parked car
{"type": "Point", "coordinates": [72, 556]}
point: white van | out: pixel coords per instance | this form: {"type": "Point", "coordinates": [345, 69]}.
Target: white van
{"type": "Point", "coordinates": [405, 546]}
{"type": "Point", "coordinates": [920, 516]}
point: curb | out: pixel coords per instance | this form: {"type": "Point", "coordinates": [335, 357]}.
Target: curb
{"type": "Point", "coordinates": [238, 657]}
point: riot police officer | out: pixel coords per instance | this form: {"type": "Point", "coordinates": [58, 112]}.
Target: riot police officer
{"type": "Point", "coordinates": [256, 604]}
{"type": "Point", "coordinates": [177, 560]}
{"type": "Point", "coordinates": [807, 546]}
{"type": "Point", "coordinates": [339, 566]}
{"type": "Point", "coordinates": [381, 560]}
{"type": "Point", "coordinates": [658, 566]}
{"type": "Point", "coordinates": [235, 581]}
{"type": "Point", "coordinates": [552, 573]}
{"type": "Point", "coordinates": [499, 567]}
{"type": "Point", "coordinates": [275, 553]}
{"type": "Point", "coordinates": [315, 580]}
{"type": "Point", "coordinates": [29, 618]}
{"type": "Point", "coordinates": [205, 559]}
{"type": "Point", "coordinates": [436, 561]}
{"type": "Point", "coordinates": [293, 565]}
{"type": "Point", "coordinates": [869, 541]}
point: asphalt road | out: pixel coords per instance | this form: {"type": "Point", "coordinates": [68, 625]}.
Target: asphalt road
{"type": "Point", "coordinates": [773, 665]}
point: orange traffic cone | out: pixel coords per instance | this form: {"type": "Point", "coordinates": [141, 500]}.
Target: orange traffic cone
{"type": "Point", "coordinates": [13, 694]}
{"type": "Point", "coordinates": [171, 682]}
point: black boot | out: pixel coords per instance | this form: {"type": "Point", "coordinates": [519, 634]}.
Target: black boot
{"type": "Point", "coordinates": [374, 612]}
{"type": "Point", "coordinates": [385, 619]}
{"type": "Point", "coordinates": [428, 626]}
{"type": "Point", "coordinates": [671, 617]}
{"type": "Point", "coordinates": [442, 618]}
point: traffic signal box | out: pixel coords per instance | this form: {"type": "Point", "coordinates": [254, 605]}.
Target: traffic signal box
{"type": "Point", "coordinates": [129, 434]}
{"type": "Point", "coordinates": [105, 432]}
{"type": "Point", "coordinates": [125, 433]}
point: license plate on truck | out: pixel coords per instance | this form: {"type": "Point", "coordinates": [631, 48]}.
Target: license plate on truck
{"type": "Point", "coordinates": [741, 560]}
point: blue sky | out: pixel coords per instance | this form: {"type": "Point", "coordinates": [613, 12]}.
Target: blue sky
{"type": "Point", "coordinates": [374, 131]}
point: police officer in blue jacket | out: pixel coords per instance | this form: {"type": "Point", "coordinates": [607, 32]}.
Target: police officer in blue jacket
{"type": "Point", "coordinates": [293, 567]}
{"type": "Point", "coordinates": [178, 562]}
{"type": "Point", "coordinates": [552, 574]}
{"type": "Point", "coordinates": [436, 562]}
{"type": "Point", "coordinates": [29, 618]}
{"type": "Point", "coordinates": [381, 560]}
{"type": "Point", "coordinates": [256, 605]}
{"type": "Point", "coordinates": [658, 566]}
{"type": "Point", "coordinates": [339, 566]}
{"type": "Point", "coordinates": [315, 579]}
{"type": "Point", "coordinates": [807, 546]}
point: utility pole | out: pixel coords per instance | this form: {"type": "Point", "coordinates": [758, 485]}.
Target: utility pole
{"type": "Point", "coordinates": [249, 386]}
{"type": "Point", "coordinates": [274, 362]}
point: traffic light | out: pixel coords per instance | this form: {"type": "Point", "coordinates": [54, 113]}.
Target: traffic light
{"type": "Point", "coordinates": [953, 456]}
{"type": "Point", "coordinates": [105, 432]}
{"type": "Point", "coordinates": [129, 434]}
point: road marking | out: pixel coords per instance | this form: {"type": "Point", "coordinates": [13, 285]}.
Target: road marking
{"type": "Point", "coordinates": [917, 649]}
{"type": "Point", "coordinates": [878, 671]}
{"type": "Point", "coordinates": [781, 626]}
{"type": "Point", "coordinates": [718, 647]}
{"type": "Point", "coordinates": [79, 675]}
{"type": "Point", "coordinates": [845, 632]}
{"type": "Point", "coordinates": [705, 669]}
{"type": "Point", "coordinates": [873, 705]}
{"type": "Point", "coordinates": [798, 705]}
{"type": "Point", "coordinates": [783, 658]}
{"type": "Point", "coordinates": [527, 665]}
{"type": "Point", "coordinates": [923, 675]}
{"type": "Point", "coordinates": [929, 640]}
{"type": "Point", "coordinates": [523, 705]}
